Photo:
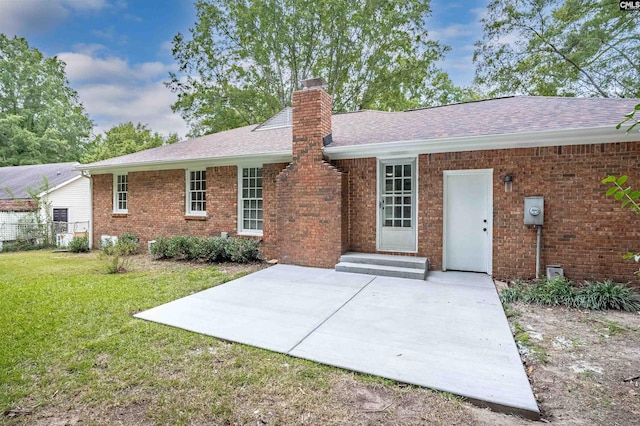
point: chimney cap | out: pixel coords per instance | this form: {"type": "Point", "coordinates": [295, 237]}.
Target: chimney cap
{"type": "Point", "coordinates": [312, 83]}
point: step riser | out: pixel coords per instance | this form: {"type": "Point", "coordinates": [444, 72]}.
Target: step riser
{"type": "Point", "coordinates": [399, 263]}
{"type": "Point", "coordinates": [416, 275]}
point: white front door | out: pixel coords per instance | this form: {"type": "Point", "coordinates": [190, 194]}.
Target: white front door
{"type": "Point", "coordinates": [468, 211]}
{"type": "Point", "coordinates": [397, 227]}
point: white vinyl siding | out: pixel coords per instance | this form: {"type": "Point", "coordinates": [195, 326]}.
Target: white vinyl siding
{"type": "Point", "coordinates": [197, 192]}
{"type": "Point", "coordinates": [121, 193]}
{"type": "Point", "coordinates": [75, 197]}
{"type": "Point", "coordinates": [250, 200]}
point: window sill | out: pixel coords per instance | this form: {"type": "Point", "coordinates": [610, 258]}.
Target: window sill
{"type": "Point", "coordinates": [193, 217]}
{"type": "Point", "coordinates": [119, 214]}
{"type": "Point", "coordinates": [249, 234]}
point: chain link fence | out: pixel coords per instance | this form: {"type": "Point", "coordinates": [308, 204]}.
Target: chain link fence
{"type": "Point", "coordinates": [48, 234]}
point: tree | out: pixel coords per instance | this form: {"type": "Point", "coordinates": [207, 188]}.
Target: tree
{"type": "Point", "coordinates": [41, 118]}
{"type": "Point", "coordinates": [559, 47]}
{"type": "Point", "coordinates": [244, 59]}
{"type": "Point", "coordinates": [124, 139]}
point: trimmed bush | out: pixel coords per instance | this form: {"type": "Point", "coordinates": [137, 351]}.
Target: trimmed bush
{"type": "Point", "coordinates": [216, 249]}
{"type": "Point", "coordinates": [162, 248]}
{"type": "Point", "coordinates": [79, 245]}
{"type": "Point", "coordinates": [561, 292]}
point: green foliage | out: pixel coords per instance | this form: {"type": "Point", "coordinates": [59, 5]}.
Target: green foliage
{"type": "Point", "coordinates": [79, 245]}
{"type": "Point", "coordinates": [216, 249]}
{"type": "Point", "coordinates": [245, 59]}
{"type": "Point", "coordinates": [630, 199]}
{"type": "Point", "coordinates": [119, 254]}
{"type": "Point", "coordinates": [561, 292]}
{"type": "Point", "coordinates": [630, 117]}
{"type": "Point", "coordinates": [559, 48]}
{"type": "Point", "coordinates": [124, 139]}
{"type": "Point", "coordinates": [607, 295]}
{"type": "Point", "coordinates": [41, 118]}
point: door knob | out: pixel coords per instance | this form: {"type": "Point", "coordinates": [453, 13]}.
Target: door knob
{"type": "Point", "coordinates": [484, 229]}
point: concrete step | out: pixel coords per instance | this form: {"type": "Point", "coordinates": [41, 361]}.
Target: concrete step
{"type": "Point", "coordinates": [386, 260]}
{"type": "Point", "coordinates": [383, 270]}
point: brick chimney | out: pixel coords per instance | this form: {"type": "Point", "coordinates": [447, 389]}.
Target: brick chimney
{"type": "Point", "coordinates": [311, 119]}
{"type": "Point", "coordinates": [312, 205]}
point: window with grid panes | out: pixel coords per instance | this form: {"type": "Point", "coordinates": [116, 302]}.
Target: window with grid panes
{"type": "Point", "coordinates": [120, 193]}
{"type": "Point", "coordinates": [197, 192]}
{"type": "Point", "coordinates": [397, 196]}
{"type": "Point", "coordinates": [251, 199]}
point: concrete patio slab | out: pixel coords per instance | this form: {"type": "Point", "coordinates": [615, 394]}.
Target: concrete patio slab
{"type": "Point", "coordinates": [273, 309]}
{"type": "Point", "coordinates": [447, 333]}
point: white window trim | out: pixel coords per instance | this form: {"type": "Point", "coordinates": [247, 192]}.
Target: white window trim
{"type": "Point", "coordinates": [115, 194]}
{"type": "Point", "coordinates": [187, 206]}
{"type": "Point", "coordinates": [241, 230]}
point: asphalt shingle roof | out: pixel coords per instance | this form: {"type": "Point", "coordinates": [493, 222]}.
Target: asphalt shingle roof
{"type": "Point", "coordinates": [20, 180]}
{"type": "Point", "coordinates": [510, 115]}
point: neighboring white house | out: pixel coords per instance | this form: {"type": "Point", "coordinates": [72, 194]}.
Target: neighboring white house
{"type": "Point", "coordinates": [64, 193]}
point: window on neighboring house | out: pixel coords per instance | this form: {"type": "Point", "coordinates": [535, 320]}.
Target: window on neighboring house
{"type": "Point", "coordinates": [120, 193]}
{"type": "Point", "coordinates": [60, 219]}
{"type": "Point", "coordinates": [197, 192]}
{"type": "Point", "coordinates": [250, 205]}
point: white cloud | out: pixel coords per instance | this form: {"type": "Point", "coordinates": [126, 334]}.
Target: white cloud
{"type": "Point", "coordinates": [85, 67]}
{"type": "Point", "coordinates": [18, 17]}
{"type": "Point", "coordinates": [114, 91]}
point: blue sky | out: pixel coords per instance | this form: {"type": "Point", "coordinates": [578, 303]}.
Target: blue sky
{"type": "Point", "coordinates": [118, 52]}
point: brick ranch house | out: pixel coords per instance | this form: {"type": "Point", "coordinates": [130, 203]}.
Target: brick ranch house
{"type": "Point", "coordinates": [431, 182]}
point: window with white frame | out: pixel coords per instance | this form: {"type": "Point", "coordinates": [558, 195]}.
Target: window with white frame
{"type": "Point", "coordinates": [197, 192]}
{"type": "Point", "coordinates": [250, 200]}
{"type": "Point", "coordinates": [120, 193]}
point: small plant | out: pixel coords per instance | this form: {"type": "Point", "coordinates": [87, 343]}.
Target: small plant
{"type": "Point", "coordinates": [119, 253]}
{"type": "Point", "coordinates": [79, 245]}
{"type": "Point", "coordinates": [607, 295]}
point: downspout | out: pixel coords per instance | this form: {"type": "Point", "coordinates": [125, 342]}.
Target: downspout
{"type": "Point", "coordinates": [85, 174]}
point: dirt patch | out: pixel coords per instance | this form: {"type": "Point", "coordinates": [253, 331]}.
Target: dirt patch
{"type": "Point", "coordinates": [589, 370]}
{"type": "Point", "coordinates": [145, 262]}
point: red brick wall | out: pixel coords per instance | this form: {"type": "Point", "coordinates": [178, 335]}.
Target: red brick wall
{"type": "Point", "coordinates": [584, 231]}
{"type": "Point", "coordinates": [19, 205]}
{"type": "Point", "coordinates": [270, 210]}
{"type": "Point", "coordinates": [156, 205]}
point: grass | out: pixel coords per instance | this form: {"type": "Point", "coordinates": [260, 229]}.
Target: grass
{"type": "Point", "coordinates": [69, 334]}
{"type": "Point", "coordinates": [71, 351]}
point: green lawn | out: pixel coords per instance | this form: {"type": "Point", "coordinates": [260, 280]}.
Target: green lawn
{"type": "Point", "coordinates": [71, 351]}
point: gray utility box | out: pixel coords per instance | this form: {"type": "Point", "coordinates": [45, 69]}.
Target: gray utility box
{"type": "Point", "coordinates": [533, 210]}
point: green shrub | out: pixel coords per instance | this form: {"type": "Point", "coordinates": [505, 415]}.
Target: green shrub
{"type": "Point", "coordinates": [162, 248]}
{"type": "Point", "coordinates": [561, 292]}
{"type": "Point", "coordinates": [607, 295]}
{"type": "Point", "coordinates": [186, 247]}
{"type": "Point", "coordinates": [216, 249]}
{"type": "Point", "coordinates": [243, 250]}
{"type": "Point", "coordinates": [557, 292]}
{"type": "Point", "coordinates": [79, 245]}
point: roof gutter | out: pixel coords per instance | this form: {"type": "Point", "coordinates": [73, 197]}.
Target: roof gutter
{"type": "Point", "coordinates": [264, 158]}
{"type": "Point", "coordinates": [589, 136]}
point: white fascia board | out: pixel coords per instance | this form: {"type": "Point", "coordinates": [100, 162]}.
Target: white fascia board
{"type": "Point", "coordinates": [65, 183]}
{"type": "Point", "coordinates": [485, 142]}
{"type": "Point", "coordinates": [272, 157]}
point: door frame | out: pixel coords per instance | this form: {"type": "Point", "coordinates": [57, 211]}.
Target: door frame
{"type": "Point", "coordinates": [445, 225]}
{"type": "Point", "coordinates": [379, 177]}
